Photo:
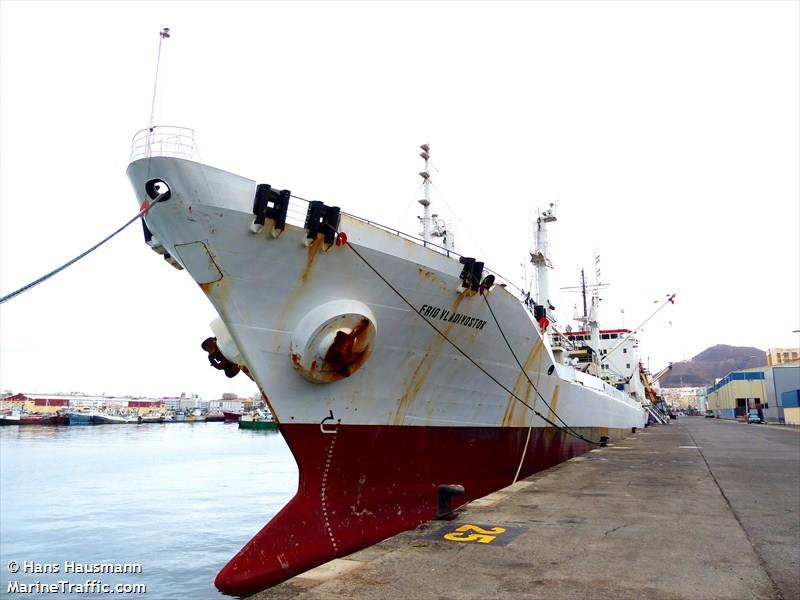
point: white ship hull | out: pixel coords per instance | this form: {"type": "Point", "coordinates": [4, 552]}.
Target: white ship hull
{"type": "Point", "coordinates": [408, 412]}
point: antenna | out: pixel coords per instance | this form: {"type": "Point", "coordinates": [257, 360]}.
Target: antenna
{"type": "Point", "coordinates": [596, 268]}
{"type": "Point", "coordinates": [583, 288]}
{"type": "Point", "coordinates": [162, 35]}
{"type": "Point", "coordinates": [583, 291]}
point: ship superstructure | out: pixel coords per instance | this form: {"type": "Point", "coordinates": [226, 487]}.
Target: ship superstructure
{"type": "Point", "coordinates": [404, 377]}
{"type": "Point", "coordinates": [609, 354]}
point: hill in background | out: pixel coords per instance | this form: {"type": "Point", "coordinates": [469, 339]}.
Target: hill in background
{"type": "Point", "coordinates": [711, 364]}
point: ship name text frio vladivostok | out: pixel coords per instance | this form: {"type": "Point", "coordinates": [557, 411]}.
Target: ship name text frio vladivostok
{"type": "Point", "coordinates": [434, 312]}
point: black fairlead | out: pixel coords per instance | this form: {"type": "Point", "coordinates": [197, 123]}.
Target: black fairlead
{"type": "Point", "coordinates": [271, 204]}
{"type": "Point", "coordinates": [321, 217]}
{"type": "Point", "coordinates": [472, 273]}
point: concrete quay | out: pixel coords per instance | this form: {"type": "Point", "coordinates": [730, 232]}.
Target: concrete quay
{"type": "Point", "coordinates": [699, 509]}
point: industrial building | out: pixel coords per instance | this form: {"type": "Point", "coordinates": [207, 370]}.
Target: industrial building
{"type": "Point", "coordinates": [774, 390]}
{"type": "Point", "coordinates": [49, 404]}
{"type": "Point", "coordinates": [52, 403]}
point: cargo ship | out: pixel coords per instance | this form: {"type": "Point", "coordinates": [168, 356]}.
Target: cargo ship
{"type": "Point", "coordinates": [406, 379]}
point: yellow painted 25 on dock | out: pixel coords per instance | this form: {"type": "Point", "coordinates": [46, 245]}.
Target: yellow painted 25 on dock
{"type": "Point", "coordinates": [471, 533]}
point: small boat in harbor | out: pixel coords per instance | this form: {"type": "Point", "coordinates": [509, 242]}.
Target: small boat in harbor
{"type": "Point", "coordinates": [258, 420]}
{"type": "Point", "coordinates": [231, 417]}
{"type": "Point", "coordinates": [23, 418]}
{"type": "Point", "coordinates": [151, 418]}
{"type": "Point", "coordinates": [34, 419]}
{"type": "Point", "coordinates": [80, 418]}
{"type": "Point", "coordinates": [109, 419]}
{"type": "Point", "coordinates": [10, 418]}
{"type": "Point", "coordinates": [215, 417]}
{"type": "Point", "coordinates": [195, 416]}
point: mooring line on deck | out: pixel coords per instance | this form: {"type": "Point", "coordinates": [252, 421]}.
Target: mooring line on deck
{"type": "Point", "coordinates": [565, 429]}
{"type": "Point", "coordinates": [524, 372]}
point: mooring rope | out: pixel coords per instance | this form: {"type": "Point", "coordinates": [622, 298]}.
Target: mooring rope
{"type": "Point", "coordinates": [521, 368]}
{"type": "Point", "coordinates": [566, 429]}
{"type": "Point", "coordinates": [72, 261]}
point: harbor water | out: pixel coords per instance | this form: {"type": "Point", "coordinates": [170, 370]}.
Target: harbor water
{"type": "Point", "coordinates": [178, 500]}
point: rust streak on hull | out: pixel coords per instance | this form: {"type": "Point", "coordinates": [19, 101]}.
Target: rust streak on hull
{"type": "Point", "coordinates": [420, 374]}
{"type": "Point", "coordinates": [515, 412]}
{"type": "Point", "coordinates": [551, 414]}
{"type": "Point", "coordinates": [312, 253]}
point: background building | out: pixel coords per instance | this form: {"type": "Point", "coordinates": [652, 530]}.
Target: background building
{"type": "Point", "coordinates": [52, 403]}
{"type": "Point", "coordinates": [774, 390]}
{"type": "Point", "coordinates": [783, 392]}
{"type": "Point", "coordinates": [781, 356]}
{"type": "Point", "coordinates": [683, 398]}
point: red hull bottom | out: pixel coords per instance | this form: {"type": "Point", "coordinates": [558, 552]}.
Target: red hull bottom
{"type": "Point", "coordinates": [363, 484]}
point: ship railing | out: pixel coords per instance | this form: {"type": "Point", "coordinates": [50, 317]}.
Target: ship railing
{"type": "Point", "coordinates": [440, 249]}
{"type": "Point", "coordinates": [178, 142]}
{"type": "Point", "coordinates": [435, 247]}
{"type": "Point", "coordinates": [164, 140]}
{"type": "Point", "coordinates": [296, 215]}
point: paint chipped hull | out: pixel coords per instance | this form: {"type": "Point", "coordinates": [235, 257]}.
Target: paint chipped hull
{"type": "Point", "coordinates": [409, 411]}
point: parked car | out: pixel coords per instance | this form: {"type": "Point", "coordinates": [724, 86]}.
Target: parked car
{"type": "Point", "coordinates": [754, 417]}
{"type": "Point", "coordinates": [710, 414]}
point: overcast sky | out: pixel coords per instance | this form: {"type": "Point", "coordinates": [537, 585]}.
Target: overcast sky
{"type": "Point", "coordinates": [667, 132]}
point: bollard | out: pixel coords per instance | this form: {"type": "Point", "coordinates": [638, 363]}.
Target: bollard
{"type": "Point", "coordinates": [444, 493]}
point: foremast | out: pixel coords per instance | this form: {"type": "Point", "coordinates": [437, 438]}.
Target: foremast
{"type": "Point", "coordinates": [430, 225]}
